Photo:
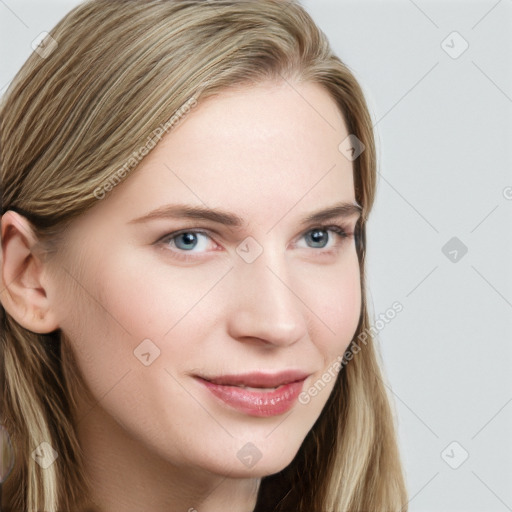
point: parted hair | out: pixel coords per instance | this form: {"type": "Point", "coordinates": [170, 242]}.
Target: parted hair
{"type": "Point", "coordinates": [69, 120]}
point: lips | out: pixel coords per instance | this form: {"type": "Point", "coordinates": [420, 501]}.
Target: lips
{"type": "Point", "coordinates": [258, 393]}
{"type": "Point", "coordinates": [258, 379]}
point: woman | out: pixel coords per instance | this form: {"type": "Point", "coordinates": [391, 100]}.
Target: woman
{"type": "Point", "coordinates": [186, 187]}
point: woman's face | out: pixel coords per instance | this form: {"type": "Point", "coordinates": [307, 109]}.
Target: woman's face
{"type": "Point", "coordinates": [152, 315]}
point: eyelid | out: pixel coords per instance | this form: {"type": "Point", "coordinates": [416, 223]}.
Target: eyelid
{"type": "Point", "coordinates": [342, 229]}
{"type": "Point", "coordinates": [175, 234]}
{"type": "Point", "coordinates": [345, 226]}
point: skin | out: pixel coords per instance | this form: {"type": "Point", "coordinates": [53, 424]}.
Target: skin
{"type": "Point", "coordinates": [155, 439]}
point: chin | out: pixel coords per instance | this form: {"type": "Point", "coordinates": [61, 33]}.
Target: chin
{"type": "Point", "coordinates": [253, 463]}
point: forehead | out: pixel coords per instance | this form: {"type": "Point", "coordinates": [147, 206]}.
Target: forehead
{"type": "Point", "coordinates": [257, 150]}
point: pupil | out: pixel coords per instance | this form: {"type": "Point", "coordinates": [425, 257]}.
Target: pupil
{"type": "Point", "coordinates": [318, 236]}
{"type": "Point", "coordinates": [188, 238]}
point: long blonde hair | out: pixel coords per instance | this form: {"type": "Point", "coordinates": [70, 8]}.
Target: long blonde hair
{"type": "Point", "coordinates": [71, 118]}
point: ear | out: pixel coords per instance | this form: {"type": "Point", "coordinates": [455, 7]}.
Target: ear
{"type": "Point", "coordinates": [22, 276]}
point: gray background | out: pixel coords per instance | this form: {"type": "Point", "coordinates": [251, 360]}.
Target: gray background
{"type": "Point", "coordinates": [444, 130]}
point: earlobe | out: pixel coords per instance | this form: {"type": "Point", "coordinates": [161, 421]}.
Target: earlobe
{"type": "Point", "coordinates": [23, 294]}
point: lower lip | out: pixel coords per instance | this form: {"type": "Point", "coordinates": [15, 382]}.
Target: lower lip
{"type": "Point", "coordinates": [257, 403]}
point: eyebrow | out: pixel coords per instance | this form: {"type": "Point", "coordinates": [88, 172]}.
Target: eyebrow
{"type": "Point", "coordinates": [184, 211]}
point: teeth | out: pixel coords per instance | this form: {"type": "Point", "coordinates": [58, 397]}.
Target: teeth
{"type": "Point", "coordinates": [258, 389]}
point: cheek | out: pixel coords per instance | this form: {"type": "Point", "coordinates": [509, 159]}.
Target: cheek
{"type": "Point", "coordinates": [148, 297]}
{"type": "Point", "coordinates": [336, 304]}
{"type": "Point", "coordinates": [104, 315]}
{"type": "Point", "coordinates": [109, 321]}
{"type": "Point", "coordinates": [338, 307]}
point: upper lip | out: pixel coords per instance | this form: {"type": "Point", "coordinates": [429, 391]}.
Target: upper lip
{"type": "Point", "coordinates": [259, 379]}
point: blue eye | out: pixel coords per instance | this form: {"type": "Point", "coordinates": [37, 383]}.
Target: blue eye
{"type": "Point", "coordinates": [318, 237]}
{"type": "Point", "coordinates": [186, 244]}
{"type": "Point", "coordinates": [187, 240]}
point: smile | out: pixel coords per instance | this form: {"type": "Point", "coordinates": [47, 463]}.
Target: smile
{"type": "Point", "coordinates": [257, 394]}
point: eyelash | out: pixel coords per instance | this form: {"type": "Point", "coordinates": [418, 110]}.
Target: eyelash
{"type": "Point", "coordinates": [342, 231]}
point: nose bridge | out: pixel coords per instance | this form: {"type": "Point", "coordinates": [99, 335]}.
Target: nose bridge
{"type": "Point", "coordinates": [265, 304]}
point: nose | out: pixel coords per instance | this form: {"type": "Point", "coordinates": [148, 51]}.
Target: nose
{"type": "Point", "coordinates": [266, 309]}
